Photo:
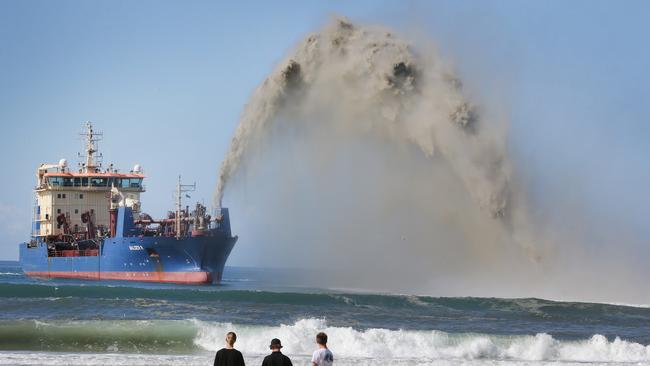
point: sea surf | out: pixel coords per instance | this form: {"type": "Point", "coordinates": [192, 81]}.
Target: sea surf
{"type": "Point", "coordinates": [47, 322]}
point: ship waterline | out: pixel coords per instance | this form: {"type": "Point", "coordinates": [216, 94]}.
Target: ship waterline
{"type": "Point", "coordinates": [165, 277]}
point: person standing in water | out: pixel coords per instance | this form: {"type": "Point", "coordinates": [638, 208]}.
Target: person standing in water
{"type": "Point", "coordinates": [229, 356]}
{"type": "Point", "coordinates": [276, 358]}
{"type": "Point", "coordinates": [322, 356]}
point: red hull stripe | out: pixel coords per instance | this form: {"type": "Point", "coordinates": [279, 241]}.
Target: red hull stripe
{"type": "Point", "coordinates": [172, 277]}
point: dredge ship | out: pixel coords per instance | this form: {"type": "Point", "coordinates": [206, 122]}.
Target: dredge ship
{"type": "Point", "coordinates": [87, 224]}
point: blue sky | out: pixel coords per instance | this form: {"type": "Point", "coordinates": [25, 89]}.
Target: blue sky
{"type": "Point", "coordinates": [166, 80]}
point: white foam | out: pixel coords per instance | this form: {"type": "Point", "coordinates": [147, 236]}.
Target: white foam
{"type": "Point", "coordinates": [352, 347]}
{"type": "Point", "coordinates": [642, 306]}
{"type": "Point", "coordinates": [55, 358]}
{"type": "Point", "coordinates": [205, 359]}
{"type": "Point", "coordinates": [423, 346]}
{"type": "Point", "coordinates": [10, 274]}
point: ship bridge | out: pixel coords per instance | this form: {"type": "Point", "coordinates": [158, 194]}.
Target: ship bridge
{"type": "Point", "coordinates": [94, 181]}
{"type": "Point", "coordinates": [76, 203]}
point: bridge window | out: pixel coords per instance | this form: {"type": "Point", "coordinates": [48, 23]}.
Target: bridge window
{"type": "Point", "coordinates": [131, 182]}
{"type": "Point", "coordinates": [67, 182]}
{"type": "Point", "coordinates": [77, 182]}
{"type": "Point", "coordinates": [55, 181]}
{"type": "Point", "coordinates": [98, 182]}
{"type": "Point", "coordinates": [84, 181]}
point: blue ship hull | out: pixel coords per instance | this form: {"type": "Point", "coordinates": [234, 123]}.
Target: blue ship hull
{"type": "Point", "coordinates": [128, 256]}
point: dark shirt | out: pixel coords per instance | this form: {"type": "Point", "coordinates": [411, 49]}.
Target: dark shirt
{"type": "Point", "coordinates": [276, 359]}
{"type": "Point", "coordinates": [228, 357]}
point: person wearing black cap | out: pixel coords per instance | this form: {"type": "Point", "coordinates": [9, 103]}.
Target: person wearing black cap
{"type": "Point", "coordinates": [276, 358]}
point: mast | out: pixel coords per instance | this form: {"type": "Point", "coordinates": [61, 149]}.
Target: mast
{"type": "Point", "coordinates": [92, 137]}
{"type": "Point", "coordinates": [180, 189]}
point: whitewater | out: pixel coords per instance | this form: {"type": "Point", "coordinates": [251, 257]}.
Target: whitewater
{"type": "Point", "coordinates": [89, 323]}
{"type": "Point", "coordinates": [367, 347]}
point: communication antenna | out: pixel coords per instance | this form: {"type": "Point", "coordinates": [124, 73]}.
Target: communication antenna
{"type": "Point", "coordinates": [91, 148]}
{"type": "Point", "coordinates": [180, 189]}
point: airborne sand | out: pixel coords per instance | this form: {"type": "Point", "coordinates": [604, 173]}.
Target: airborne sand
{"type": "Point", "coordinates": [362, 151]}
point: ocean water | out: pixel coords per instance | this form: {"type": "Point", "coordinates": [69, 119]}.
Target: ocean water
{"type": "Point", "coordinates": [67, 322]}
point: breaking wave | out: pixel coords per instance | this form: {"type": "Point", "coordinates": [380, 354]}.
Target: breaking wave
{"type": "Point", "coordinates": [194, 336]}
{"type": "Point", "coordinates": [347, 342]}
